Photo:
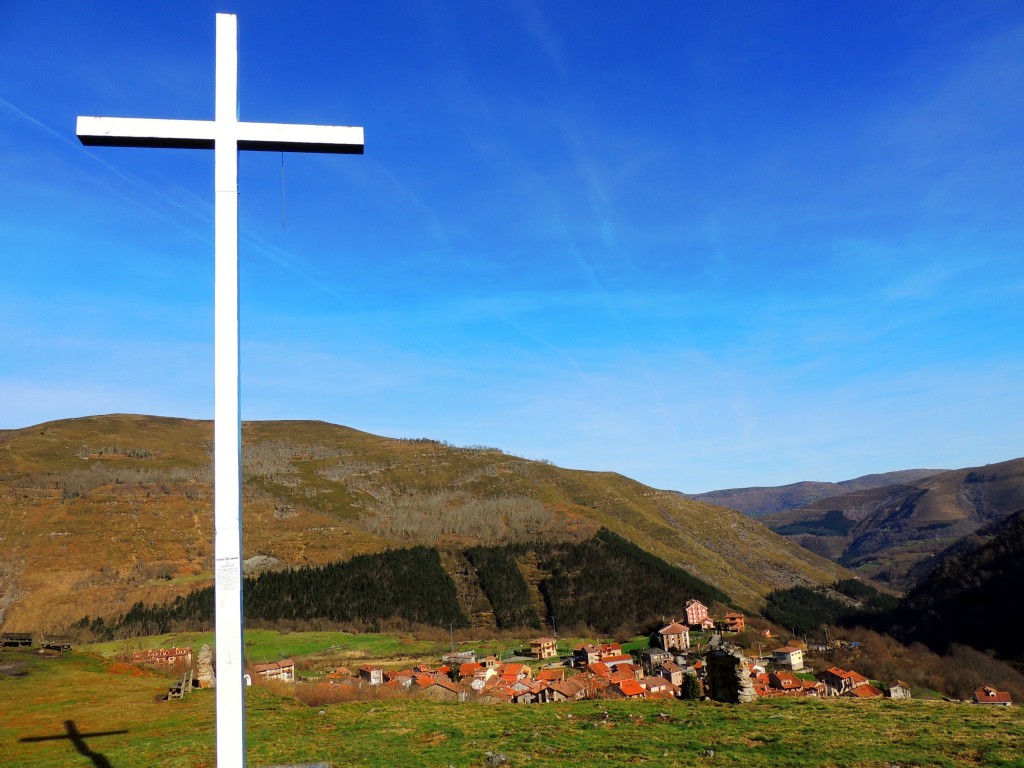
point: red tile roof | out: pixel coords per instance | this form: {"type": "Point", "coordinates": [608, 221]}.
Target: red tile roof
{"type": "Point", "coordinates": [986, 694]}
{"type": "Point", "coordinates": [786, 680]}
{"type": "Point", "coordinates": [865, 692]}
{"type": "Point", "coordinates": [274, 666]}
{"type": "Point", "coordinates": [630, 687]}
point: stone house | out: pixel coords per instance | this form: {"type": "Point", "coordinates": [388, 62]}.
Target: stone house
{"type": "Point", "coordinates": [899, 690]}
{"type": "Point", "coordinates": [839, 681]}
{"type": "Point", "coordinates": [439, 688]}
{"type": "Point", "coordinates": [15, 640]}
{"type": "Point", "coordinates": [572, 689]}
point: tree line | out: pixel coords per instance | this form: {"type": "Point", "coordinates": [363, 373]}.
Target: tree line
{"type": "Point", "coordinates": [605, 584]}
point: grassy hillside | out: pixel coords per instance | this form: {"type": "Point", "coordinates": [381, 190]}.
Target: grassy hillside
{"type": "Point", "coordinates": [888, 532]}
{"type": "Point", "coordinates": [44, 699]}
{"type": "Point", "coordinates": [99, 512]}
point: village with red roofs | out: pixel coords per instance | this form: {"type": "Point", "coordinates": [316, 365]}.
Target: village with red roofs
{"type": "Point", "coordinates": [690, 657]}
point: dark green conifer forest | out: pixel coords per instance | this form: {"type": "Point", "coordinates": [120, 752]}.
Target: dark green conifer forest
{"type": "Point", "coordinates": [604, 584]}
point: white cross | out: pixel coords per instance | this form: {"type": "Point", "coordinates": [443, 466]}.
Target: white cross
{"type": "Point", "coordinates": [225, 135]}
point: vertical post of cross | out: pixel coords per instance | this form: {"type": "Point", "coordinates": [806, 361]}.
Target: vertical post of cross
{"type": "Point", "coordinates": [227, 441]}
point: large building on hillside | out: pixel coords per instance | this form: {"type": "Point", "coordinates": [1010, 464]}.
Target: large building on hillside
{"type": "Point", "coordinates": [544, 648]}
{"type": "Point", "coordinates": [788, 657]}
{"type": "Point", "coordinates": [696, 613]}
{"type": "Point", "coordinates": [674, 636]}
{"type": "Point", "coordinates": [734, 622]}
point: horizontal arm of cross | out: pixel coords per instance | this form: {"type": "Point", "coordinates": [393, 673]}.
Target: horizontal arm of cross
{"type": "Point", "coordinates": [202, 134]}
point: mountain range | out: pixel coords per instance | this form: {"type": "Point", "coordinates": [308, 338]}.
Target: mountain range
{"type": "Point", "coordinates": [891, 533]}
{"type": "Point", "coordinates": [764, 500]}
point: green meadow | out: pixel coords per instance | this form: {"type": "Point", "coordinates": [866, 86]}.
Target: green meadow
{"type": "Point", "coordinates": [84, 710]}
{"type": "Point", "coordinates": [263, 645]}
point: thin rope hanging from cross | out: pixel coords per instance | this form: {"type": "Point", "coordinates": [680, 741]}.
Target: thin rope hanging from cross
{"type": "Point", "coordinates": [282, 191]}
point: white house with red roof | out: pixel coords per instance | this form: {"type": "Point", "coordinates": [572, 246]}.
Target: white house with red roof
{"type": "Point", "coordinates": [283, 670]}
{"type": "Point", "coordinates": [372, 674]}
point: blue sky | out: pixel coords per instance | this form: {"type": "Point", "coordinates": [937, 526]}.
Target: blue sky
{"type": "Point", "coordinates": [701, 244]}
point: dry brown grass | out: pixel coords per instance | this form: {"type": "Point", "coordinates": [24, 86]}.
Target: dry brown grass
{"type": "Point", "coordinates": [97, 513]}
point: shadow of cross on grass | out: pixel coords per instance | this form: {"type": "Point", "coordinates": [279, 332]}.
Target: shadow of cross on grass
{"type": "Point", "coordinates": [78, 740]}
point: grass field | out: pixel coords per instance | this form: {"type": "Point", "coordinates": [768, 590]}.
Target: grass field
{"type": "Point", "coordinates": [263, 645]}
{"type": "Point", "coordinates": [82, 710]}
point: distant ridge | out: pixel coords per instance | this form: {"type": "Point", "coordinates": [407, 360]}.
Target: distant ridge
{"type": "Point", "coordinates": [757, 501]}
{"type": "Point", "coordinates": [890, 533]}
